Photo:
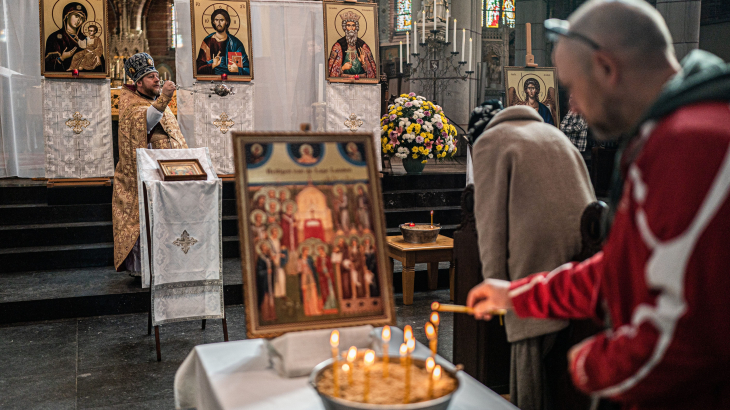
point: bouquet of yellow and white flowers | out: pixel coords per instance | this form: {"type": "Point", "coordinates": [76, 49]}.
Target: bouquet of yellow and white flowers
{"type": "Point", "coordinates": [415, 129]}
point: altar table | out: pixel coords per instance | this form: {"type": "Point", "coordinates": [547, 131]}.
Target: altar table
{"type": "Point", "coordinates": [409, 254]}
{"type": "Point", "coordinates": [238, 375]}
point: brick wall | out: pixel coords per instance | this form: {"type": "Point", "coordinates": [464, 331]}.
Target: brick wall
{"type": "Point", "coordinates": [158, 18]}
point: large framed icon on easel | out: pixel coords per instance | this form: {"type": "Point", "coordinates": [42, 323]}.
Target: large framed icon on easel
{"type": "Point", "coordinates": [312, 232]}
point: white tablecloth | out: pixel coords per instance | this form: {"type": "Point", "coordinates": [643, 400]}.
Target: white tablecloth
{"type": "Point", "coordinates": [238, 375]}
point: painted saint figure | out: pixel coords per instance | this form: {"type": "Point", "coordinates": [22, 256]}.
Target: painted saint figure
{"type": "Point", "coordinates": [309, 284]}
{"type": "Point", "coordinates": [281, 257]}
{"type": "Point", "coordinates": [63, 44]}
{"type": "Point", "coordinates": [350, 55]}
{"type": "Point", "coordinates": [342, 208]}
{"type": "Point", "coordinates": [363, 209]}
{"type": "Point", "coordinates": [221, 52]}
{"type": "Point", "coordinates": [265, 267]}
{"type": "Point", "coordinates": [532, 93]}
{"type": "Point", "coordinates": [326, 279]}
{"type": "Point", "coordinates": [289, 226]}
{"type": "Point", "coordinates": [306, 155]}
{"type": "Point", "coordinates": [338, 258]}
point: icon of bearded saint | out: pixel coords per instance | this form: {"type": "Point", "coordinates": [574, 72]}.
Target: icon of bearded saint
{"type": "Point", "coordinates": [350, 55]}
{"type": "Point", "coordinates": [546, 108]}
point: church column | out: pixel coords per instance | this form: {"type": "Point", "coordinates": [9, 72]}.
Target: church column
{"type": "Point", "coordinates": [535, 13]}
{"type": "Point", "coordinates": [683, 20]}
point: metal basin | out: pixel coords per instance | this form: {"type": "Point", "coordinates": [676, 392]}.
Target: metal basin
{"type": "Point", "coordinates": [420, 235]}
{"type": "Point", "coordinates": [333, 403]}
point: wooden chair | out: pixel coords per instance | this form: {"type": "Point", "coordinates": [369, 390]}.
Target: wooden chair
{"type": "Point", "coordinates": [482, 347]}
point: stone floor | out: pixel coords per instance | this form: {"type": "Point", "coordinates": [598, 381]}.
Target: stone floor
{"type": "Point", "coordinates": [109, 361]}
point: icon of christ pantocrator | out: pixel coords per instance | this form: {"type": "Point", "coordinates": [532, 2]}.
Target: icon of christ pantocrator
{"type": "Point", "coordinates": [350, 55]}
{"type": "Point", "coordinates": [221, 52]}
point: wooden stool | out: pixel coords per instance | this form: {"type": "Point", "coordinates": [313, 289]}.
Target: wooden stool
{"type": "Point", "coordinates": [409, 254]}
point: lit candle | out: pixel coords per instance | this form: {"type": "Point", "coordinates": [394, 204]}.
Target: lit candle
{"type": "Point", "coordinates": [224, 77]}
{"type": "Point", "coordinates": [75, 73]}
{"type": "Point", "coordinates": [351, 356]}
{"type": "Point", "coordinates": [446, 32]}
{"type": "Point", "coordinates": [430, 364]}
{"type": "Point", "coordinates": [386, 359]}
{"type": "Point", "coordinates": [408, 47]}
{"type": "Point", "coordinates": [431, 219]}
{"type": "Point", "coordinates": [415, 37]}
{"type": "Point", "coordinates": [411, 346]}
{"type": "Point", "coordinates": [470, 53]}
{"type": "Point", "coordinates": [367, 362]}
{"type": "Point", "coordinates": [435, 11]}
{"type": "Point", "coordinates": [348, 371]}
{"type": "Point", "coordinates": [400, 54]}
{"type": "Point", "coordinates": [334, 342]}
{"type": "Point", "coordinates": [403, 353]}
{"type": "Point", "coordinates": [436, 374]}
{"type": "Point", "coordinates": [423, 29]}
{"type": "Point", "coordinates": [454, 35]}
{"type": "Point", "coordinates": [431, 335]}
{"type": "Point", "coordinates": [463, 41]}
{"type": "Point", "coordinates": [407, 333]}
{"type": "Point", "coordinates": [436, 320]}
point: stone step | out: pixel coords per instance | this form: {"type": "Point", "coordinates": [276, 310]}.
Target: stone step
{"type": "Point", "coordinates": [72, 233]}
{"type": "Point", "coordinates": [56, 257]}
{"type": "Point", "coordinates": [17, 195]}
{"type": "Point", "coordinates": [98, 291]}
{"type": "Point", "coordinates": [33, 214]}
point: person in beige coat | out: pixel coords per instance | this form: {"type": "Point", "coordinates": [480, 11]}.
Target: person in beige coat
{"type": "Point", "coordinates": [531, 187]}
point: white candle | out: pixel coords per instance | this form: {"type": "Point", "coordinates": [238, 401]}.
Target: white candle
{"type": "Point", "coordinates": [454, 35]}
{"type": "Point", "coordinates": [446, 32]}
{"type": "Point", "coordinates": [408, 47]}
{"type": "Point", "coordinates": [469, 53]}
{"type": "Point", "coordinates": [423, 30]}
{"type": "Point", "coordinates": [415, 37]}
{"type": "Point", "coordinates": [435, 12]}
{"type": "Point", "coordinates": [400, 54]}
{"type": "Point", "coordinates": [320, 90]}
{"type": "Point", "coordinates": [463, 42]}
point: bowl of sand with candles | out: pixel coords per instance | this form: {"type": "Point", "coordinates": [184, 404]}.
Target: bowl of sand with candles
{"type": "Point", "coordinates": [420, 233]}
{"type": "Point", "coordinates": [355, 392]}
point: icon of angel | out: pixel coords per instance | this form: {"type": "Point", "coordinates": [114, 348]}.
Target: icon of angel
{"type": "Point", "coordinates": [546, 108]}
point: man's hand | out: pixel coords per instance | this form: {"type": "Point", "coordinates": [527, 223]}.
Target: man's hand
{"type": "Point", "coordinates": [217, 60]}
{"type": "Point", "coordinates": [66, 54]}
{"type": "Point", "coordinates": [168, 88]}
{"type": "Point", "coordinates": [233, 67]}
{"type": "Point", "coordinates": [488, 296]}
{"type": "Point", "coordinates": [361, 57]}
{"type": "Point", "coordinates": [346, 66]}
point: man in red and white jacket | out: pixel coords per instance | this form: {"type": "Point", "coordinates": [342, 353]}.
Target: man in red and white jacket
{"type": "Point", "coordinates": [662, 282]}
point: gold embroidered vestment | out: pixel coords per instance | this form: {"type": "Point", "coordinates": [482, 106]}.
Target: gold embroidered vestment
{"type": "Point", "coordinates": [132, 135]}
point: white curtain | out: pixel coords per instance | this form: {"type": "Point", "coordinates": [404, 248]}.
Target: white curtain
{"type": "Point", "coordinates": [21, 96]}
{"type": "Point", "coordinates": [288, 46]}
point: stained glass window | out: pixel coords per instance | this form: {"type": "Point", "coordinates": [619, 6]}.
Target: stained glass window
{"type": "Point", "coordinates": [402, 15]}
{"type": "Point", "coordinates": [175, 36]}
{"type": "Point", "coordinates": [490, 13]}
{"type": "Point", "coordinates": [508, 13]}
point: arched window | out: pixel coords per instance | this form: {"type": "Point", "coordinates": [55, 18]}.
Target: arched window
{"type": "Point", "coordinates": [176, 40]}
{"type": "Point", "coordinates": [490, 13]}
{"type": "Point", "coordinates": [402, 15]}
{"type": "Point", "coordinates": [508, 13]}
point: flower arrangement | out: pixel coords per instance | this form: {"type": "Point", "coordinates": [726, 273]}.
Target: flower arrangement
{"type": "Point", "coordinates": [416, 129]}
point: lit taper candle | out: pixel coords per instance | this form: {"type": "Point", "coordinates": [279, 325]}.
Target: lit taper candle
{"type": "Point", "coordinates": [386, 359]}
{"type": "Point", "coordinates": [335, 342]}
{"type": "Point", "coordinates": [431, 335]}
{"type": "Point", "coordinates": [454, 35]}
{"type": "Point", "coordinates": [430, 364]}
{"type": "Point", "coordinates": [368, 361]}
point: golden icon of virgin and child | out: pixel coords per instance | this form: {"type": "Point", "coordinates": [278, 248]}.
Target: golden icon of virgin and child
{"type": "Point", "coordinates": [69, 48]}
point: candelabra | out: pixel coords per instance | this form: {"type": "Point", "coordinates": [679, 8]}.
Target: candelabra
{"type": "Point", "coordinates": [434, 67]}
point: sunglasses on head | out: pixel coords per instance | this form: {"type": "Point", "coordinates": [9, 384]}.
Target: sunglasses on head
{"type": "Point", "coordinates": [556, 28]}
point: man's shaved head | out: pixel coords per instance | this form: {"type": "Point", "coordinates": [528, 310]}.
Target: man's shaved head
{"type": "Point", "coordinates": [631, 28]}
{"type": "Point", "coordinates": [612, 86]}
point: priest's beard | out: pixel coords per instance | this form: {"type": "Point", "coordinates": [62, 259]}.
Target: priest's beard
{"type": "Point", "coordinates": [351, 37]}
{"type": "Point", "coordinates": [150, 92]}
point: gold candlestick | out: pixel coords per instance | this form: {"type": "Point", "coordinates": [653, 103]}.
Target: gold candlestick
{"type": "Point", "coordinates": [386, 359]}
{"type": "Point", "coordinates": [431, 335]}
{"type": "Point", "coordinates": [334, 342]}
{"type": "Point", "coordinates": [367, 362]}
{"type": "Point", "coordinates": [430, 364]}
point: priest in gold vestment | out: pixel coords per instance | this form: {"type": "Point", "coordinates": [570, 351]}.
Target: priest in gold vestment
{"type": "Point", "coordinates": [145, 121]}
